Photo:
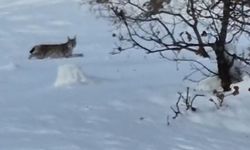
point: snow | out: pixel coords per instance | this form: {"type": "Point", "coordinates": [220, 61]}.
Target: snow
{"type": "Point", "coordinates": [69, 74]}
{"type": "Point", "coordinates": [209, 84]}
{"type": "Point", "coordinates": [125, 103]}
{"type": "Point", "coordinates": [234, 111]}
{"type": "Point", "coordinates": [8, 67]}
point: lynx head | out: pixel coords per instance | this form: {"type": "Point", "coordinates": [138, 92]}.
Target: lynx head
{"type": "Point", "coordinates": [71, 42]}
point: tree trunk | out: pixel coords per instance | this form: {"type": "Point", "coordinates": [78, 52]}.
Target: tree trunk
{"type": "Point", "coordinates": [224, 66]}
{"type": "Point", "coordinates": [223, 63]}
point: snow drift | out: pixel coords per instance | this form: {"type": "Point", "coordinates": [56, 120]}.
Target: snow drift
{"type": "Point", "coordinates": [69, 74]}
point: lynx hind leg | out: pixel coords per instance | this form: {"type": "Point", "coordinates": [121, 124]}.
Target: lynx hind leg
{"type": "Point", "coordinates": [31, 55]}
{"type": "Point", "coordinates": [37, 53]}
{"type": "Point", "coordinates": [37, 56]}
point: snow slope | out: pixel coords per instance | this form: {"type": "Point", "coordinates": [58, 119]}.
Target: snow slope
{"type": "Point", "coordinates": [124, 103]}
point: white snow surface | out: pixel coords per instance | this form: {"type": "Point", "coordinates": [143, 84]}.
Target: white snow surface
{"type": "Point", "coordinates": [126, 104]}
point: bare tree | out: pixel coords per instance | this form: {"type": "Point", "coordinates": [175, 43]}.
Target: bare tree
{"type": "Point", "coordinates": [175, 28]}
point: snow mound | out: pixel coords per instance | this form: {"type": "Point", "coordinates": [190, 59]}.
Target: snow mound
{"type": "Point", "coordinates": [209, 84]}
{"type": "Point", "coordinates": [69, 74]}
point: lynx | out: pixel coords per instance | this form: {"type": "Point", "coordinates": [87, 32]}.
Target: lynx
{"type": "Point", "coordinates": [63, 50]}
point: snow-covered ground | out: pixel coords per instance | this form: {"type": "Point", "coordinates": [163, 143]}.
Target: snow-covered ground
{"type": "Point", "coordinates": [100, 101]}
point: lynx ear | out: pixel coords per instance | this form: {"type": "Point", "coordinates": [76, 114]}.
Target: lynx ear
{"type": "Point", "coordinates": [68, 37]}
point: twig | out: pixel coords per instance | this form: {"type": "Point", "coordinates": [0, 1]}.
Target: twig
{"type": "Point", "coordinates": [177, 111]}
